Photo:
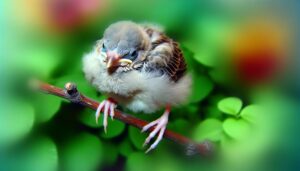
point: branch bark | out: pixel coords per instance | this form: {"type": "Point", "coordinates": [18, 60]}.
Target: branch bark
{"type": "Point", "coordinates": [71, 93]}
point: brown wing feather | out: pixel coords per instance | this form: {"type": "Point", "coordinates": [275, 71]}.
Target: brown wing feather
{"type": "Point", "coordinates": [176, 66]}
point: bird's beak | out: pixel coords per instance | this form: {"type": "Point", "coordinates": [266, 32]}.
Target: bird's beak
{"type": "Point", "coordinates": [112, 60]}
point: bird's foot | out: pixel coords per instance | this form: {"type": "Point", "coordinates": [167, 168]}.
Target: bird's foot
{"type": "Point", "coordinates": [160, 127]}
{"type": "Point", "coordinates": [108, 106]}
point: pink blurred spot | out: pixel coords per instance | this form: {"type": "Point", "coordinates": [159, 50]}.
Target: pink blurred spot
{"type": "Point", "coordinates": [69, 14]}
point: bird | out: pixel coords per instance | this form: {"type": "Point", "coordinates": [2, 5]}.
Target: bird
{"type": "Point", "coordinates": [136, 65]}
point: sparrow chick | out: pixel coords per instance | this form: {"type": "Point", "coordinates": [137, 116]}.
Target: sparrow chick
{"type": "Point", "coordinates": [141, 68]}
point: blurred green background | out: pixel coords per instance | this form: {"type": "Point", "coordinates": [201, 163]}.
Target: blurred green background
{"type": "Point", "coordinates": [243, 56]}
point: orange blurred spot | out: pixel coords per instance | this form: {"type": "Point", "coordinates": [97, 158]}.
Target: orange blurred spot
{"type": "Point", "coordinates": [260, 50]}
{"type": "Point", "coordinates": [58, 15]}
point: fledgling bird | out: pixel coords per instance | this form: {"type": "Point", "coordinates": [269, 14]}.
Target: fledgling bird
{"type": "Point", "coordinates": [141, 68]}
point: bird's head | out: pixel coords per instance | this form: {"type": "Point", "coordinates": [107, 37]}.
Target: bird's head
{"type": "Point", "coordinates": [123, 44]}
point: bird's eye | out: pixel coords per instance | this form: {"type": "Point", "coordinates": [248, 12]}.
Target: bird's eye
{"type": "Point", "coordinates": [134, 54]}
{"type": "Point", "coordinates": [131, 56]}
{"type": "Point", "coordinates": [103, 48]}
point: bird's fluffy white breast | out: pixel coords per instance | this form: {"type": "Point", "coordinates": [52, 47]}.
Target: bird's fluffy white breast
{"type": "Point", "coordinates": [137, 90]}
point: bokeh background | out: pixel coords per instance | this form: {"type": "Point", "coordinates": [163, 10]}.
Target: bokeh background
{"type": "Point", "coordinates": [243, 56]}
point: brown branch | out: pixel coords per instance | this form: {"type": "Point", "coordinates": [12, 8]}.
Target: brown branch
{"type": "Point", "coordinates": [71, 93]}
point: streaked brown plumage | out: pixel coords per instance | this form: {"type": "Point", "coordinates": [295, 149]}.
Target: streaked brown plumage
{"type": "Point", "coordinates": [176, 66]}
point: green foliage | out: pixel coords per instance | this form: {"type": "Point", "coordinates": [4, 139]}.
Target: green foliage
{"type": "Point", "coordinates": [115, 128]}
{"type": "Point", "coordinates": [111, 153]}
{"type": "Point", "coordinates": [16, 121]}
{"type": "Point", "coordinates": [209, 129]}
{"type": "Point", "coordinates": [201, 87]}
{"type": "Point", "coordinates": [180, 126]}
{"type": "Point", "coordinates": [87, 118]}
{"type": "Point", "coordinates": [41, 61]}
{"type": "Point", "coordinates": [252, 113]}
{"type": "Point", "coordinates": [137, 137]}
{"type": "Point", "coordinates": [205, 56]}
{"type": "Point", "coordinates": [230, 105]}
{"type": "Point", "coordinates": [208, 36]}
{"type": "Point", "coordinates": [236, 128]}
{"type": "Point", "coordinates": [220, 76]}
{"type": "Point", "coordinates": [76, 154]}
{"type": "Point", "coordinates": [42, 154]}
{"type": "Point", "coordinates": [125, 147]}
{"type": "Point", "coordinates": [137, 162]}
{"type": "Point", "coordinates": [213, 112]}
{"type": "Point", "coordinates": [160, 161]}
{"type": "Point", "coordinates": [46, 107]}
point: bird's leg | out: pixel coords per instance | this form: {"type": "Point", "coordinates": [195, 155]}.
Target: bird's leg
{"type": "Point", "coordinates": [160, 127]}
{"type": "Point", "coordinates": [108, 107]}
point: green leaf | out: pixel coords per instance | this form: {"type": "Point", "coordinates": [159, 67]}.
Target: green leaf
{"type": "Point", "coordinates": [230, 105]}
{"type": "Point", "coordinates": [182, 110]}
{"type": "Point", "coordinates": [88, 118]}
{"type": "Point", "coordinates": [137, 137]}
{"type": "Point", "coordinates": [203, 55]}
{"type": "Point", "coordinates": [46, 107]}
{"type": "Point", "coordinates": [213, 112]}
{"type": "Point", "coordinates": [41, 60]}
{"type": "Point", "coordinates": [212, 30]}
{"type": "Point", "coordinates": [189, 57]}
{"type": "Point", "coordinates": [220, 76]}
{"type": "Point", "coordinates": [125, 148]}
{"type": "Point", "coordinates": [180, 126]}
{"type": "Point", "coordinates": [236, 128]}
{"type": "Point", "coordinates": [16, 120]}
{"type": "Point", "coordinates": [201, 87]}
{"type": "Point", "coordinates": [215, 98]}
{"type": "Point", "coordinates": [206, 56]}
{"type": "Point", "coordinates": [209, 129]}
{"type": "Point", "coordinates": [41, 155]}
{"type": "Point", "coordinates": [158, 161]}
{"type": "Point", "coordinates": [207, 38]}
{"type": "Point", "coordinates": [251, 113]}
{"type": "Point", "coordinates": [138, 161]}
{"type": "Point", "coordinates": [228, 144]}
{"type": "Point", "coordinates": [114, 129]}
{"type": "Point", "coordinates": [83, 152]}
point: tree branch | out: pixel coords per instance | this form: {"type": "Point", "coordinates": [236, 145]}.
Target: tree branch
{"type": "Point", "coordinates": [71, 93]}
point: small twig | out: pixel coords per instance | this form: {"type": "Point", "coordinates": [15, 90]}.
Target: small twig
{"type": "Point", "coordinates": [71, 93]}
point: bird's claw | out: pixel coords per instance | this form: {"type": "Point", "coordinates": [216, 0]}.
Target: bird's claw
{"type": "Point", "coordinates": [108, 107]}
{"type": "Point", "coordinates": [161, 124]}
